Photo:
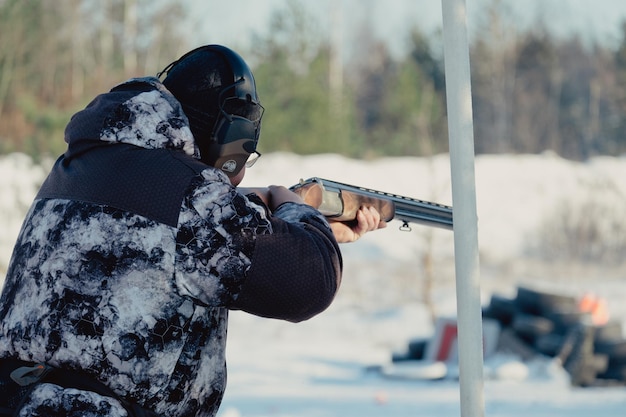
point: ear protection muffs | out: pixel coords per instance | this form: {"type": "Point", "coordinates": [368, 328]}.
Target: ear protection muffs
{"type": "Point", "coordinates": [233, 137]}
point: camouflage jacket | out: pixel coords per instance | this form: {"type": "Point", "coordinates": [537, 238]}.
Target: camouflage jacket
{"type": "Point", "coordinates": [134, 251]}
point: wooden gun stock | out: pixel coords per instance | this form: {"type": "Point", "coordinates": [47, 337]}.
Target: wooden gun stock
{"type": "Point", "coordinates": [342, 205]}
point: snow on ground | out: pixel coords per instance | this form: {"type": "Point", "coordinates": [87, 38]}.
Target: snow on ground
{"type": "Point", "coordinates": [327, 366]}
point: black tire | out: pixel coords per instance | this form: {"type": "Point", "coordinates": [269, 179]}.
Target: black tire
{"type": "Point", "coordinates": [501, 309]}
{"type": "Point", "coordinates": [617, 361]}
{"type": "Point", "coordinates": [509, 342]}
{"type": "Point", "coordinates": [488, 314]}
{"type": "Point", "coordinates": [616, 373]}
{"type": "Point", "coordinates": [564, 320]}
{"type": "Point", "coordinates": [549, 344]}
{"type": "Point", "coordinates": [400, 357]}
{"type": "Point", "coordinates": [416, 348]}
{"type": "Point", "coordinates": [541, 303]}
{"type": "Point", "coordinates": [613, 348]}
{"type": "Point", "coordinates": [529, 327]}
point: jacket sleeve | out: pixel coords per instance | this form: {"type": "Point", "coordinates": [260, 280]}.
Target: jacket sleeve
{"type": "Point", "coordinates": [296, 270]}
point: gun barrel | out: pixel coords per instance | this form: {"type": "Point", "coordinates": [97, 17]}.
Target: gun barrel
{"type": "Point", "coordinates": [407, 209]}
{"type": "Point", "coordinates": [423, 212]}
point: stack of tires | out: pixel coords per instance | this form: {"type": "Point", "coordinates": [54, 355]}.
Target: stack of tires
{"type": "Point", "coordinates": [554, 325]}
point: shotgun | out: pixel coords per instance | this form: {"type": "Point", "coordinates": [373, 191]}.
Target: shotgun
{"type": "Point", "coordinates": [340, 202]}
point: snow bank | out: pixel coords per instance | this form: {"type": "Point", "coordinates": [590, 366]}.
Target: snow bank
{"type": "Point", "coordinates": [320, 367]}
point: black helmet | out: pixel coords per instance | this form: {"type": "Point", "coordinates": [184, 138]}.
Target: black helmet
{"type": "Point", "coordinates": [217, 91]}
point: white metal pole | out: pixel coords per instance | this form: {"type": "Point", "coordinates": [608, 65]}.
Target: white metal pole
{"type": "Point", "coordinates": [461, 138]}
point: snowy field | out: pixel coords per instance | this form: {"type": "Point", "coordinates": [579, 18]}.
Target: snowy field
{"type": "Point", "coordinates": [543, 222]}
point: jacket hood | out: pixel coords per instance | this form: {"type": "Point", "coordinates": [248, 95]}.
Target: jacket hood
{"type": "Point", "coordinates": [140, 112]}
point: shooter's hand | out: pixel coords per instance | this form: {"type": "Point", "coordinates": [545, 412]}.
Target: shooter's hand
{"type": "Point", "coordinates": [367, 220]}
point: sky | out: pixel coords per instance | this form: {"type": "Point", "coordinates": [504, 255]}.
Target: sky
{"type": "Point", "coordinates": [235, 21]}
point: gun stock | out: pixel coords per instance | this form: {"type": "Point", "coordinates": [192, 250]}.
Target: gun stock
{"type": "Point", "coordinates": [340, 202]}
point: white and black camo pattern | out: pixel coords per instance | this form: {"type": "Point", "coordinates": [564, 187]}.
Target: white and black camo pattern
{"type": "Point", "coordinates": [140, 305]}
{"type": "Point", "coordinates": [67, 401]}
{"type": "Point", "coordinates": [151, 120]}
{"type": "Point", "coordinates": [138, 301]}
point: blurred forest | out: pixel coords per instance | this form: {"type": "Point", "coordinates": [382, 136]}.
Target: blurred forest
{"type": "Point", "coordinates": [531, 91]}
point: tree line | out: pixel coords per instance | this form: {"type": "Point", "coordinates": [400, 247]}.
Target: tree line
{"type": "Point", "coordinates": [531, 91]}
